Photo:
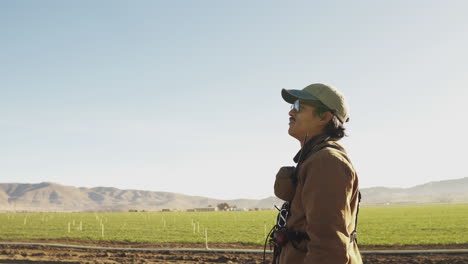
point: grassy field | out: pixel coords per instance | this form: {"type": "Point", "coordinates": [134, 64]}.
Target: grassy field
{"type": "Point", "coordinates": [436, 224]}
{"type": "Point", "coordinates": [412, 225]}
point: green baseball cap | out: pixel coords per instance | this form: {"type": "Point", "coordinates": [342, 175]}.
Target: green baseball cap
{"type": "Point", "coordinates": [326, 94]}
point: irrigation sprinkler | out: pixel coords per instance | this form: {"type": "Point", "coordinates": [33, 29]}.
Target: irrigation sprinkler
{"type": "Point", "coordinates": [206, 238]}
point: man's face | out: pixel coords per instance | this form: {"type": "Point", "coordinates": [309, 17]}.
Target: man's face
{"type": "Point", "coordinates": [304, 122]}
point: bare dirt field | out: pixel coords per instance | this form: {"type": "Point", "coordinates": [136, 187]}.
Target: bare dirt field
{"type": "Point", "coordinates": [34, 254]}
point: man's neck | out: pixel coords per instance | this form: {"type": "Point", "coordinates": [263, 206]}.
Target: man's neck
{"type": "Point", "coordinates": [309, 145]}
{"type": "Point", "coordinates": [307, 138]}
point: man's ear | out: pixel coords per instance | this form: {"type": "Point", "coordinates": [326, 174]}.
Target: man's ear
{"type": "Point", "coordinates": [326, 117]}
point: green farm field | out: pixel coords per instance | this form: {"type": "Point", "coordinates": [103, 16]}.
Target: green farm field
{"type": "Point", "coordinates": [399, 225]}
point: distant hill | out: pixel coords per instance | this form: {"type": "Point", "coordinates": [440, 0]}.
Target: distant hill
{"type": "Point", "coordinates": [449, 191]}
{"type": "Point", "coordinates": [48, 197]}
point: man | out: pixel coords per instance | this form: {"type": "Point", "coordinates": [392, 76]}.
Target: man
{"type": "Point", "coordinates": [320, 216]}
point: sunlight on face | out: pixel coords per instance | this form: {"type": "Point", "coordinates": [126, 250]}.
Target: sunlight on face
{"type": "Point", "coordinates": [304, 122]}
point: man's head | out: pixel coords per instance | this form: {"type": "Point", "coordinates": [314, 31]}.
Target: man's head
{"type": "Point", "coordinates": [316, 109]}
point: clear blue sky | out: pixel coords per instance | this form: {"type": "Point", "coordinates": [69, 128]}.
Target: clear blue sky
{"type": "Point", "coordinates": [184, 96]}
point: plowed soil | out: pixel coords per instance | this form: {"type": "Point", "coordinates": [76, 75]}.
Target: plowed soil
{"type": "Point", "coordinates": [26, 254]}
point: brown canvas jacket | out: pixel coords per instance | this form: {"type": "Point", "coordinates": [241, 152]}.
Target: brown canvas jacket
{"type": "Point", "coordinates": [324, 203]}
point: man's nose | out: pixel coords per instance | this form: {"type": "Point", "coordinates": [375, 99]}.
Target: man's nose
{"type": "Point", "coordinates": [292, 112]}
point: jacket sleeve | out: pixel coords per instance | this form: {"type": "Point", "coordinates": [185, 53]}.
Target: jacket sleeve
{"type": "Point", "coordinates": [326, 199]}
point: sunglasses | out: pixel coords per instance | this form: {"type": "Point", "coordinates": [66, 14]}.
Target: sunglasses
{"type": "Point", "coordinates": [297, 105]}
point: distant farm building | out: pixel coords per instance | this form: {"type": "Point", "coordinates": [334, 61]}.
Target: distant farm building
{"type": "Point", "coordinates": [239, 209]}
{"type": "Point", "coordinates": [260, 209]}
{"type": "Point", "coordinates": [203, 209]}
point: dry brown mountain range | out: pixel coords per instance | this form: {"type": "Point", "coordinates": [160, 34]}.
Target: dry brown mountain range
{"type": "Point", "coordinates": [48, 197]}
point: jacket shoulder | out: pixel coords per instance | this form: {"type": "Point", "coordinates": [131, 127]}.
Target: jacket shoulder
{"type": "Point", "coordinates": [331, 152]}
{"type": "Point", "coordinates": [328, 161]}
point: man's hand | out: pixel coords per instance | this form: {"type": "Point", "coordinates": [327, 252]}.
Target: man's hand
{"type": "Point", "coordinates": [284, 185]}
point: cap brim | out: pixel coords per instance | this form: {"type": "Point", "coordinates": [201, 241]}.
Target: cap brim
{"type": "Point", "coordinates": [291, 95]}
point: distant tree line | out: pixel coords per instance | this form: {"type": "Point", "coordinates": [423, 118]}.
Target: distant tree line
{"type": "Point", "coordinates": [225, 207]}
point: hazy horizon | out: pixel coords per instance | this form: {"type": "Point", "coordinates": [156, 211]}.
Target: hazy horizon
{"type": "Point", "coordinates": [201, 195]}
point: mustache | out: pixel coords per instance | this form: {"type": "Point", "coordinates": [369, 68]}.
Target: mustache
{"type": "Point", "coordinates": [292, 118]}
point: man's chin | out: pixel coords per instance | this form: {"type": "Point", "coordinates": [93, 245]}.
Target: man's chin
{"type": "Point", "coordinates": [295, 135]}
{"type": "Point", "coordinates": [291, 133]}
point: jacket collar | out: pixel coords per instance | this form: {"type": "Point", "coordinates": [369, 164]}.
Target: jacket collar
{"type": "Point", "coordinates": [310, 146]}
